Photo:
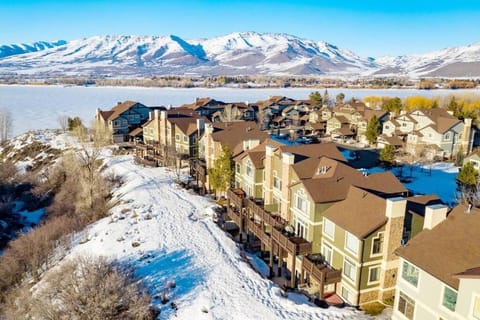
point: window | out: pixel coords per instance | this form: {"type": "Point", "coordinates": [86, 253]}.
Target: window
{"type": "Point", "coordinates": [237, 167]}
{"type": "Point", "coordinates": [404, 124]}
{"type": "Point", "coordinates": [476, 308]}
{"type": "Point", "coordinates": [447, 136]}
{"type": "Point", "coordinates": [249, 170]}
{"type": "Point", "coordinates": [351, 242]}
{"type": "Point", "coordinates": [327, 253]}
{"type": "Point", "coordinates": [449, 298]}
{"type": "Point", "coordinates": [185, 139]}
{"type": "Point", "coordinates": [277, 182]}
{"type": "Point", "coordinates": [177, 137]}
{"type": "Point", "coordinates": [301, 228]}
{"type": "Point", "coordinates": [387, 127]}
{"type": "Point", "coordinates": [300, 202]}
{"type": "Point", "coordinates": [347, 295]}
{"type": "Point", "coordinates": [349, 270]}
{"type": "Point", "coordinates": [116, 123]}
{"type": "Point", "coordinates": [406, 305]}
{"type": "Point", "coordinates": [329, 228]}
{"type": "Point", "coordinates": [410, 273]}
{"type": "Point", "coordinates": [377, 244]}
{"type": "Point", "coordinates": [374, 274]}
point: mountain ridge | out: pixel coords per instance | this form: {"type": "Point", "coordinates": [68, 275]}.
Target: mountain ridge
{"type": "Point", "coordinates": [238, 53]}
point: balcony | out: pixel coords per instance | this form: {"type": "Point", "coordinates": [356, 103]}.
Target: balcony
{"type": "Point", "coordinates": [258, 230]}
{"type": "Point", "coordinates": [236, 197]}
{"type": "Point", "coordinates": [320, 271]}
{"type": "Point", "coordinates": [294, 245]}
{"type": "Point", "coordinates": [235, 216]}
{"type": "Point", "coordinates": [256, 208]}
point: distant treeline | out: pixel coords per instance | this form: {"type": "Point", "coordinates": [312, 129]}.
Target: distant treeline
{"type": "Point", "coordinates": [245, 82]}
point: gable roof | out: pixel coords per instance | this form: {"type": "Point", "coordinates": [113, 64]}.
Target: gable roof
{"type": "Point", "coordinates": [472, 273]}
{"type": "Point", "coordinates": [450, 248]}
{"type": "Point", "coordinates": [361, 213]}
{"type": "Point", "coordinates": [121, 108]}
{"type": "Point", "coordinates": [333, 184]}
{"type": "Point", "coordinates": [186, 124]}
{"type": "Point", "coordinates": [232, 134]}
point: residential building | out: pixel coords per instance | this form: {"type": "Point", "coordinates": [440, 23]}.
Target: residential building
{"type": "Point", "coordinates": [123, 118]}
{"type": "Point", "coordinates": [438, 270]}
{"type": "Point", "coordinates": [432, 132]}
{"type": "Point", "coordinates": [359, 237]}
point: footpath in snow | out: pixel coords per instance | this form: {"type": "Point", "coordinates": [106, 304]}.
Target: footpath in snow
{"type": "Point", "coordinates": [168, 235]}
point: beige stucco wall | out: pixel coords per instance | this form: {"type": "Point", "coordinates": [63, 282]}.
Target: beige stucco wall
{"type": "Point", "coordinates": [427, 295]}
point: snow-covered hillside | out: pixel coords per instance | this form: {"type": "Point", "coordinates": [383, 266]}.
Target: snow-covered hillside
{"type": "Point", "coordinates": [450, 62]}
{"type": "Point", "coordinates": [22, 48]}
{"type": "Point", "coordinates": [178, 241]}
{"type": "Point", "coordinates": [234, 54]}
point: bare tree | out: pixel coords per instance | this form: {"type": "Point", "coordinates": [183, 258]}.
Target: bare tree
{"type": "Point", "coordinates": [5, 124]}
{"type": "Point", "coordinates": [63, 121]}
{"type": "Point", "coordinates": [85, 288]}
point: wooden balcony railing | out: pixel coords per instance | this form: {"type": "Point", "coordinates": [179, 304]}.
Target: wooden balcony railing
{"type": "Point", "coordinates": [294, 245]}
{"type": "Point", "coordinates": [320, 271]}
{"type": "Point", "coordinates": [235, 216]}
{"type": "Point", "coordinates": [257, 210]}
{"type": "Point", "coordinates": [236, 197]}
{"type": "Point", "coordinates": [259, 231]}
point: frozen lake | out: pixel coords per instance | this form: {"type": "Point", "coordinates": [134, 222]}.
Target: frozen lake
{"type": "Point", "coordinates": [38, 107]}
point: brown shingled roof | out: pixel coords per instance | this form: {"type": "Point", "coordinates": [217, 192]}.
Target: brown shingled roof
{"type": "Point", "coordinates": [120, 108]}
{"type": "Point", "coordinates": [472, 273]}
{"type": "Point", "coordinates": [361, 213]}
{"type": "Point", "coordinates": [257, 154]}
{"type": "Point", "coordinates": [315, 150]}
{"type": "Point", "coordinates": [333, 185]}
{"type": "Point", "coordinates": [232, 134]}
{"type": "Point", "coordinates": [186, 125]}
{"type": "Point", "coordinates": [449, 248]}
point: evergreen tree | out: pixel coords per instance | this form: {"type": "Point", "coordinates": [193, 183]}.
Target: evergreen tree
{"type": "Point", "coordinates": [373, 130]}
{"type": "Point", "coordinates": [326, 97]}
{"type": "Point", "coordinates": [387, 155]}
{"type": "Point", "coordinates": [316, 98]}
{"type": "Point", "coordinates": [467, 175]}
{"type": "Point", "coordinates": [221, 175]}
{"type": "Point", "coordinates": [339, 98]}
{"type": "Point", "coordinates": [467, 183]}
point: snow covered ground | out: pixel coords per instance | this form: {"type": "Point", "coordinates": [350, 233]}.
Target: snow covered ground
{"type": "Point", "coordinates": [178, 241]}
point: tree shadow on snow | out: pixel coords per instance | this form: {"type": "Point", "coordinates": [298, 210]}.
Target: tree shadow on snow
{"type": "Point", "coordinates": [169, 277]}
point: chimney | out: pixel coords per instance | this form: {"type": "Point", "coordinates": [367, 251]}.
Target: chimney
{"type": "Point", "coordinates": [251, 143]}
{"type": "Point", "coordinates": [156, 114]}
{"type": "Point", "coordinates": [466, 142]}
{"type": "Point", "coordinates": [434, 214]}
{"type": "Point", "coordinates": [150, 115]}
{"type": "Point", "coordinates": [163, 115]}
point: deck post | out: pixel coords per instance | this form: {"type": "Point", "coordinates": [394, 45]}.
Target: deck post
{"type": "Point", "coordinates": [292, 272]}
{"type": "Point", "coordinates": [270, 263]}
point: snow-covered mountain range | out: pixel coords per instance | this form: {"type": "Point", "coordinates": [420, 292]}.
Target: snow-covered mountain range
{"type": "Point", "coordinates": [242, 53]}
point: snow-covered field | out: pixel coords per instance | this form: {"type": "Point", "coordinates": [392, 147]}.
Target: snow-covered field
{"type": "Point", "coordinates": [178, 241]}
{"type": "Point", "coordinates": [38, 107]}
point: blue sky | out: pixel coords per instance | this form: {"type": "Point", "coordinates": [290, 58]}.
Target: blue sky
{"type": "Point", "coordinates": [368, 27]}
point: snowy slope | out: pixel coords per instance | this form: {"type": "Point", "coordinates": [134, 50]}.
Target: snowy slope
{"type": "Point", "coordinates": [233, 54]}
{"type": "Point", "coordinates": [450, 62]}
{"type": "Point", "coordinates": [179, 242]}
{"type": "Point", "coordinates": [22, 48]}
